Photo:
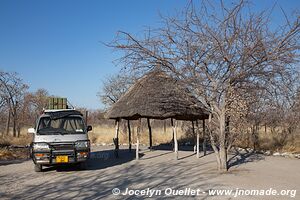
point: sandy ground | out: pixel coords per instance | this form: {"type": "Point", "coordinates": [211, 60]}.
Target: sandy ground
{"type": "Point", "coordinates": [157, 171]}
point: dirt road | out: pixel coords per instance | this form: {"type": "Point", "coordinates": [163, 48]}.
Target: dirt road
{"type": "Point", "coordinates": [156, 171]}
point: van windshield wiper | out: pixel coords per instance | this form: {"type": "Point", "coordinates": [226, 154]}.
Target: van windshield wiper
{"type": "Point", "coordinates": [50, 132]}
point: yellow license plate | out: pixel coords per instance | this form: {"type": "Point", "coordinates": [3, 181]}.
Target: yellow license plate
{"type": "Point", "coordinates": [62, 159]}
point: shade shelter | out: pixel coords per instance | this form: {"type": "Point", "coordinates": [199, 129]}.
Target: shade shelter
{"type": "Point", "coordinates": [157, 96]}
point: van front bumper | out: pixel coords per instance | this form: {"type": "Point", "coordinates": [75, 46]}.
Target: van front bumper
{"type": "Point", "coordinates": [60, 154]}
{"type": "Point", "coordinates": [54, 158]}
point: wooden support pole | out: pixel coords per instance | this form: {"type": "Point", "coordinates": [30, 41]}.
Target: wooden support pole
{"type": "Point", "coordinates": [204, 139]}
{"type": "Point", "coordinates": [150, 133]}
{"type": "Point", "coordinates": [129, 135]}
{"type": "Point", "coordinates": [193, 129]}
{"type": "Point", "coordinates": [138, 139]}
{"type": "Point", "coordinates": [116, 138]}
{"type": "Point", "coordinates": [172, 135]}
{"type": "Point", "coordinates": [174, 127]}
{"type": "Point", "coordinates": [198, 140]}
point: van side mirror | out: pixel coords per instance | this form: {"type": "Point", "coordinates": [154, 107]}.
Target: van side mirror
{"type": "Point", "coordinates": [31, 131]}
{"type": "Point", "coordinates": [89, 128]}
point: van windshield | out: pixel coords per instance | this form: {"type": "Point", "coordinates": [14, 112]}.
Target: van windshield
{"type": "Point", "coordinates": [65, 125]}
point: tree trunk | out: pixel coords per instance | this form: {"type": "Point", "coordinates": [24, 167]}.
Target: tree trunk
{"type": "Point", "coordinates": [14, 125]}
{"type": "Point", "coordinates": [15, 118]}
{"type": "Point", "coordinates": [8, 122]}
{"type": "Point", "coordinates": [255, 129]}
{"type": "Point", "coordinates": [223, 158]}
{"type": "Point", "coordinates": [19, 130]}
{"type": "Point", "coordinates": [257, 136]}
{"type": "Point", "coordinates": [265, 128]}
{"type": "Point", "coordinates": [222, 141]}
{"type": "Point", "coordinates": [220, 153]}
{"type": "Point", "coordinates": [216, 152]}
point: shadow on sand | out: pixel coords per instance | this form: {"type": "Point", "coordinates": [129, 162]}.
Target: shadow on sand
{"type": "Point", "coordinates": [240, 158]}
{"type": "Point", "coordinates": [169, 150]}
{"type": "Point", "coordinates": [99, 160]}
{"type": "Point", "coordinates": [237, 159]}
{"type": "Point", "coordinates": [169, 146]}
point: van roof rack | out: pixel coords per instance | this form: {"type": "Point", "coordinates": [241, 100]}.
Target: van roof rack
{"type": "Point", "coordinates": [58, 110]}
{"type": "Point", "coordinates": [60, 113]}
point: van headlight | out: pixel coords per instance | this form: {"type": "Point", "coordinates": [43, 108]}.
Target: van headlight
{"type": "Point", "coordinates": [41, 146]}
{"type": "Point", "coordinates": [82, 144]}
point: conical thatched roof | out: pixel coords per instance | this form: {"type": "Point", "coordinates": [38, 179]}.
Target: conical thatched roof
{"type": "Point", "coordinates": [158, 96]}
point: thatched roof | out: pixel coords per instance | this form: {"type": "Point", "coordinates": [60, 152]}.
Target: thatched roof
{"type": "Point", "coordinates": [158, 96]}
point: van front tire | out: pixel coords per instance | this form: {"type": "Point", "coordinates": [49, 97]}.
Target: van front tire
{"type": "Point", "coordinates": [38, 168]}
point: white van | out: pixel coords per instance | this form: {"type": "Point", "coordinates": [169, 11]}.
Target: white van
{"type": "Point", "coordinates": [60, 137]}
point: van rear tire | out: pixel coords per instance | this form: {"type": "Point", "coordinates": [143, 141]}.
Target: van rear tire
{"type": "Point", "coordinates": [38, 168]}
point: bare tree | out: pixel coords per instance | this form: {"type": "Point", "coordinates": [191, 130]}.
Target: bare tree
{"type": "Point", "coordinates": [39, 100]}
{"type": "Point", "coordinates": [279, 111]}
{"type": "Point", "coordinates": [216, 49]}
{"type": "Point", "coordinates": [114, 87]}
{"type": "Point", "coordinates": [31, 106]}
{"type": "Point", "coordinates": [12, 91]}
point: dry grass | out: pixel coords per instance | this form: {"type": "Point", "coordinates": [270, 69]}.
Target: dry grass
{"type": "Point", "coordinates": [102, 134]}
{"type": "Point", "coordinates": [15, 141]}
{"type": "Point", "coordinates": [105, 135]}
{"type": "Point", "coordinates": [278, 141]}
{"type": "Point", "coordinates": [267, 141]}
{"type": "Point", "coordinates": [7, 153]}
{"type": "Point", "coordinates": [293, 145]}
{"type": "Point", "coordinates": [24, 139]}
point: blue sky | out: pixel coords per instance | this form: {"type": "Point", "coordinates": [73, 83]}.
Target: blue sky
{"type": "Point", "coordinates": [56, 44]}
